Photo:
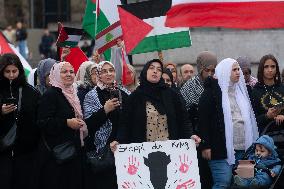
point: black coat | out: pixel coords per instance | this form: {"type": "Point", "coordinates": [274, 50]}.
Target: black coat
{"type": "Point", "coordinates": [14, 169]}
{"type": "Point", "coordinates": [211, 120]}
{"type": "Point", "coordinates": [54, 110]}
{"type": "Point", "coordinates": [261, 101]}
{"type": "Point", "coordinates": [94, 122]}
{"type": "Point", "coordinates": [133, 119]}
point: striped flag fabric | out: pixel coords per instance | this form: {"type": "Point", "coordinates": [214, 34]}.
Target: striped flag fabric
{"type": "Point", "coordinates": [241, 14]}
{"type": "Point", "coordinates": [6, 47]}
{"type": "Point", "coordinates": [68, 36]}
{"type": "Point", "coordinates": [144, 30]}
{"type": "Point", "coordinates": [108, 28]}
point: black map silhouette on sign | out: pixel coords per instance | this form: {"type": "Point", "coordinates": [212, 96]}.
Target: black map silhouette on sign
{"type": "Point", "coordinates": [157, 163]}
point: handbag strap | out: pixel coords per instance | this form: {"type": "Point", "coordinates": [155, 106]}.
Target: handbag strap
{"type": "Point", "coordinates": [19, 107]}
{"type": "Point", "coordinates": [45, 143]}
{"type": "Point", "coordinates": [20, 99]}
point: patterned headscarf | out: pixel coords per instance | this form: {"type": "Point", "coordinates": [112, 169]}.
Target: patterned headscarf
{"type": "Point", "coordinates": [88, 76]}
{"type": "Point", "coordinates": [69, 92]}
{"type": "Point", "coordinates": [100, 84]}
{"type": "Point", "coordinates": [81, 72]}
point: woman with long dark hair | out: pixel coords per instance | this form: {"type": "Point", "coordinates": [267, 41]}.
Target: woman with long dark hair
{"type": "Point", "coordinates": [268, 92]}
{"type": "Point", "coordinates": [18, 102]}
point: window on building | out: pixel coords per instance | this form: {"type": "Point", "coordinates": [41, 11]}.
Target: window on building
{"type": "Point", "coordinates": [56, 11]}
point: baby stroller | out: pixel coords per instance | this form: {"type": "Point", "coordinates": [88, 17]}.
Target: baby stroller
{"type": "Point", "coordinates": [277, 133]}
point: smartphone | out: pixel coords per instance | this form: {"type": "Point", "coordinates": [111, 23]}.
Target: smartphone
{"type": "Point", "coordinates": [114, 94]}
{"type": "Point", "coordinates": [9, 101]}
{"type": "Point", "coordinates": [279, 106]}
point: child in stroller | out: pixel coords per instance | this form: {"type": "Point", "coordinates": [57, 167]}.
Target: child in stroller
{"type": "Point", "coordinates": [267, 164]}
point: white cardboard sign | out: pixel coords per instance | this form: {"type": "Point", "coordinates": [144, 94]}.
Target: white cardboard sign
{"type": "Point", "coordinates": [168, 164]}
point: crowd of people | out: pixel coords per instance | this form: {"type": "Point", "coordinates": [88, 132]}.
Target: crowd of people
{"type": "Point", "coordinates": [222, 107]}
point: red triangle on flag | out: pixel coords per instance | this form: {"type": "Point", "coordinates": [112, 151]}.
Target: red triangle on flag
{"type": "Point", "coordinates": [4, 45]}
{"type": "Point", "coordinates": [134, 29]}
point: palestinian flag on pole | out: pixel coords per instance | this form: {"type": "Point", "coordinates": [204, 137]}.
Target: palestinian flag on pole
{"type": "Point", "coordinates": [144, 30]}
{"type": "Point", "coordinates": [108, 28]}
{"type": "Point", "coordinates": [6, 47]}
{"type": "Point", "coordinates": [68, 36]}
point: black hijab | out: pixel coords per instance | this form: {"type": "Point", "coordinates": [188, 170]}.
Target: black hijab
{"type": "Point", "coordinates": [169, 73]}
{"type": "Point", "coordinates": [152, 92]}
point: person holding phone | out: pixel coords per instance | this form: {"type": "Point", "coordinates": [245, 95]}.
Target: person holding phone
{"type": "Point", "coordinates": [268, 92]}
{"type": "Point", "coordinates": [102, 113]}
{"type": "Point", "coordinates": [17, 160]}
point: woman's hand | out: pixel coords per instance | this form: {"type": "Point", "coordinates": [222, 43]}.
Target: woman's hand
{"type": "Point", "coordinates": [279, 119]}
{"type": "Point", "coordinates": [272, 112]}
{"type": "Point", "coordinates": [75, 123]}
{"type": "Point", "coordinates": [196, 139]}
{"type": "Point", "coordinates": [8, 108]}
{"type": "Point", "coordinates": [272, 174]}
{"type": "Point", "coordinates": [111, 104]}
{"type": "Point", "coordinates": [113, 146]}
{"type": "Point", "coordinates": [65, 52]}
{"type": "Point", "coordinates": [206, 154]}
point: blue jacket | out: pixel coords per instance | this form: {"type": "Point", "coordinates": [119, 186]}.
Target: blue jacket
{"type": "Point", "coordinates": [266, 162]}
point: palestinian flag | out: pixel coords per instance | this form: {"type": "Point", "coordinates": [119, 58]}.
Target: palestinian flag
{"type": "Point", "coordinates": [6, 47]}
{"type": "Point", "coordinates": [68, 36]}
{"type": "Point", "coordinates": [144, 30]}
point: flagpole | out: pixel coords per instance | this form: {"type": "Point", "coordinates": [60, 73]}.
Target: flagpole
{"type": "Point", "coordinates": [97, 12]}
{"type": "Point", "coordinates": [160, 54]}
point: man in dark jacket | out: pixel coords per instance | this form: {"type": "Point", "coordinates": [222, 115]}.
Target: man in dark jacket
{"type": "Point", "coordinates": [21, 39]}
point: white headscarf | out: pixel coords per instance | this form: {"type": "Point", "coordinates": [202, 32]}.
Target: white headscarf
{"type": "Point", "coordinates": [223, 74]}
{"type": "Point", "coordinates": [100, 83]}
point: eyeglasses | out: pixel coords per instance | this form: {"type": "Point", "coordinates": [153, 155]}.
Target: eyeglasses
{"type": "Point", "coordinates": [106, 71]}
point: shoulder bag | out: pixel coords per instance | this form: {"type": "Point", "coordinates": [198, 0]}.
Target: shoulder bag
{"type": "Point", "coordinates": [101, 160]}
{"type": "Point", "coordinates": [9, 139]}
{"type": "Point", "coordinates": [62, 153]}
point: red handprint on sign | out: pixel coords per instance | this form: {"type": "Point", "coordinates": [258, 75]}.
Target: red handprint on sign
{"type": "Point", "coordinates": [184, 163]}
{"type": "Point", "coordinates": [133, 165]}
{"type": "Point", "coordinates": [186, 185]}
{"type": "Point", "coordinates": [128, 185]}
